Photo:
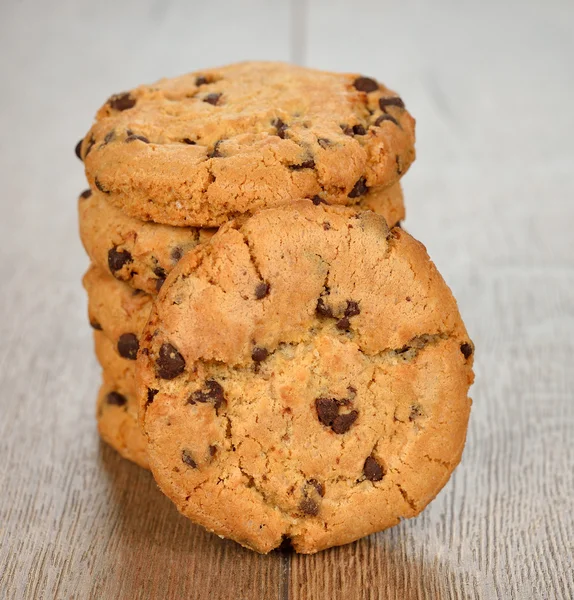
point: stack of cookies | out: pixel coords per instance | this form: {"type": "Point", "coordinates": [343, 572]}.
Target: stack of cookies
{"type": "Point", "coordinates": [284, 357]}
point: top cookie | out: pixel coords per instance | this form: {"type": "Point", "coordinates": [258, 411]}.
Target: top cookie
{"type": "Point", "coordinates": [305, 375]}
{"type": "Point", "coordinates": [199, 149]}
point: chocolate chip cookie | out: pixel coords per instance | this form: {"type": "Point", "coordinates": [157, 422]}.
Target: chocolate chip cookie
{"type": "Point", "coordinates": [304, 375]}
{"type": "Point", "coordinates": [142, 253]}
{"type": "Point", "coordinates": [199, 149]}
{"type": "Point", "coordinates": [116, 309]}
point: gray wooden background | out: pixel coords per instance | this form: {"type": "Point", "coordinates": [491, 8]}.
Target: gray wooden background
{"type": "Point", "coordinates": [491, 195]}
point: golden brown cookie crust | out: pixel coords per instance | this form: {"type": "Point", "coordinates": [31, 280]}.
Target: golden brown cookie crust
{"type": "Point", "coordinates": [117, 425]}
{"type": "Point", "coordinates": [202, 148]}
{"type": "Point", "coordinates": [137, 252]}
{"type": "Point", "coordinates": [304, 375]}
{"type": "Point", "coordinates": [117, 310]}
{"type": "Point", "coordinates": [115, 367]}
{"type": "Point", "coordinates": [116, 409]}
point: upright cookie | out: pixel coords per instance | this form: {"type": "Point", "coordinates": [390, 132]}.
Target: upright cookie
{"type": "Point", "coordinates": [199, 149]}
{"type": "Point", "coordinates": [116, 309]}
{"type": "Point", "coordinates": [142, 253]}
{"type": "Point", "coordinates": [304, 375]}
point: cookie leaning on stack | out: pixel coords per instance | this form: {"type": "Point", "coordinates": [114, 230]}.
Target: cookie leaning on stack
{"type": "Point", "coordinates": [286, 309]}
{"type": "Point", "coordinates": [328, 407]}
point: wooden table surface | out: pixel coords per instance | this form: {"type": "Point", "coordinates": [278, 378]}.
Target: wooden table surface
{"type": "Point", "coordinates": [492, 197]}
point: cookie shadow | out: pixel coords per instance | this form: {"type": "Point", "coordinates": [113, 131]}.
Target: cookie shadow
{"type": "Point", "coordinates": [154, 552]}
{"type": "Point", "coordinates": [381, 566]}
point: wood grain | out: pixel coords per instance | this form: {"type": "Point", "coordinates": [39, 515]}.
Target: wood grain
{"type": "Point", "coordinates": [491, 197]}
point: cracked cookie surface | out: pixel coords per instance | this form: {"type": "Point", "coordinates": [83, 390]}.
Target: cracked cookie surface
{"type": "Point", "coordinates": [304, 375]}
{"type": "Point", "coordinates": [142, 253]}
{"type": "Point", "coordinates": [199, 149]}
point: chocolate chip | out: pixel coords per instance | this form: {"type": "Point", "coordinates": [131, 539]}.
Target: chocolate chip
{"type": "Point", "coordinates": [211, 392]}
{"type": "Point", "coordinates": [95, 325]}
{"type": "Point", "coordinates": [360, 188]}
{"type": "Point", "coordinates": [343, 323]}
{"type": "Point", "coordinates": [319, 487]}
{"type": "Point", "coordinates": [365, 84]}
{"type": "Point", "coordinates": [170, 363]}
{"type": "Point", "coordinates": [261, 290]}
{"type": "Point", "coordinates": [151, 394]}
{"type": "Point", "coordinates": [309, 507]}
{"type": "Point", "coordinates": [122, 101]}
{"type": "Point", "coordinates": [323, 142]}
{"type": "Point", "coordinates": [385, 117]}
{"type": "Point", "coordinates": [176, 254]}
{"type": "Point", "coordinates": [308, 164]}
{"type": "Point", "coordinates": [133, 137]}
{"type": "Point", "coordinates": [160, 272]}
{"type": "Point", "coordinates": [158, 283]}
{"type": "Point", "coordinates": [352, 309]}
{"type": "Point", "coordinates": [128, 346]}
{"type": "Point", "coordinates": [286, 546]}
{"type": "Point", "coordinates": [326, 225]}
{"type": "Point", "coordinates": [281, 128]}
{"type": "Point", "coordinates": [90, 145]}
{"type": "Point", "coordinates": [116, 399]}
{"type": "Point", "coordinates": [100, 186]}
{"type": "Point", "coordinates": [259, 354]}
{"type": "Point", "coordinates": [347, 130]}
{"type": "Point", "coordinates": [85, 194]}
{"type": "Point", "coordinates": [327, 410]}
{"type": "Point", "coordinates": [416, 412]}
{"type": "Point", "coordinates": [109, 137]}
{"type": "Point", "coordinates": [466, 349]}
{"type": "Point", "coordinates": [342, 423]}
{"type": "Point", "coordinates": [318, 200]}
{"type": "Point", "coordinates": [188, 141]}
{"type": "Point", "coordinates": [212, 450]}
{"type": "Point", "coordinates": [118, 258]}
{"type": "Point", "coordinates": [372, 470]}
{"type": "Point", "coordinates": [392, 101]}
{"type": "Point", "coordinates": [323, 309]}
{"type": "Point", "coordinates": [187, 459]}
{"type": "Point", "coordinates": [215, 152]}
{"type": "Point", "coordinates": [201, 80]}
{"type": "Point", "coordinates": [359, 130]}
{"type": "Point", "coordinates": [79, 149]}
{"type": "Point", "coordinates": [212, 99]}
